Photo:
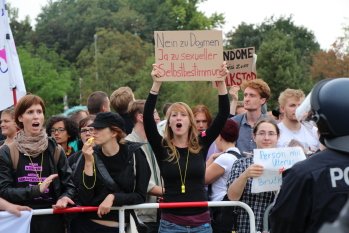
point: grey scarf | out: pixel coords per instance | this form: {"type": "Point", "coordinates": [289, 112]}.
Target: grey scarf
{"type": "Point", "coordinates": [32, 146]}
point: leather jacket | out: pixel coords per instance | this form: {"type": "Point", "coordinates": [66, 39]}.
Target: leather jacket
{"type": "Point", "coordinates": [62, 186]}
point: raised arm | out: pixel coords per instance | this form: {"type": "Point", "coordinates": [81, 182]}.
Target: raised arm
{"type": "Point", "coordinates": [223, 108]}
{"type": "Point", "coordinates": [234, 93]}
{"type": "Point", "coordinates": [150, 128]}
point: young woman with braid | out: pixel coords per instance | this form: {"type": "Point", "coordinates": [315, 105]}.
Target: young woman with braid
{"type": "Point", "coordinates": [181, 156]}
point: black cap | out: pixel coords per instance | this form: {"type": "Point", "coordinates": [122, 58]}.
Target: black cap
{"type": "Point", "coordinates": [107, 119]}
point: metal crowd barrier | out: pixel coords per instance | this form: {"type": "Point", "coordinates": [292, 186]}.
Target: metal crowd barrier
{"type": "Point", "coordinates": [122, 209]}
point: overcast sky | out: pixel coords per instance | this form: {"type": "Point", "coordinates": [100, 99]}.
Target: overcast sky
{"type": "Point", "coordinates": [325, 18]}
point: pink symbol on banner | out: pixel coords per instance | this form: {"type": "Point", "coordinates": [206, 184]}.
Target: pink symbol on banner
{"type": "Point", "coordinates": [3, 61]}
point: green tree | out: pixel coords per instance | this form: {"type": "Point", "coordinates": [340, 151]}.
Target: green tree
{"type": "Point", "coordinates": [45, 74]}
{"type": "Point", "coordinates": [245, 35]}
{"type": "Point", "coordinates": [22, 30]}
{"type": "Point", "coordinates": [284, 50]}
{"type": "Point", "coordinates": [279, 66]}
{"type": "Point", "coordinates": [118, 59]}
{"type": "Point", "coordinates": [173, 15]}
{"type": "Point", "coordinates": [69, 25]}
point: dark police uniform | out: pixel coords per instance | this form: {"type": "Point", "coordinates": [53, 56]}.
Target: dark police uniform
{"type": "Point", "coordinates": [313, 192]}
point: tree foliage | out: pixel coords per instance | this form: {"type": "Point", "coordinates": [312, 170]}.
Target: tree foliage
{"type": "Point", "coordinates": [284, 52]}
{"type": "Point", "coordinates": [47, 75]}
{"type": "Point", "coordinates": [333, 63]}
{"type": "Point", "coordinates": [69, 25]}
{"type": "Point", "coordinates": [115, 63]}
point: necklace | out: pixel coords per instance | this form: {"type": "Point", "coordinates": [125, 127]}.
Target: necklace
{"type": "Point", "coordinates": [185, 172]}
{"type": "Point", "coordinates": [42, 159]}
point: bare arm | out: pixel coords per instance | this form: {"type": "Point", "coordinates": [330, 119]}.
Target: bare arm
{"type": "Point", "coordinates": [12, 208]}
{"type": "Point", "coordinates": [221, 86]}
{"type": "Point", "coordinates": [157, 191]}
{"type": "Point", "coordinates": [236, 189]}
{"type": "Point", "coordinates": [155, 73]}
{"type": "Point", "coordinates": [233, 91]}
{"type": "Point", "coordinates": [213, 172]}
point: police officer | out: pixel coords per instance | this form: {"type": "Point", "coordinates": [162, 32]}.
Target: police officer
{"type": "Point", "coordinates": [315, 190]}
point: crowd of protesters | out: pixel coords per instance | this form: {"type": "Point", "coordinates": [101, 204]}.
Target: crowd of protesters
{"type": "Point", "coordinates": [129, 156]}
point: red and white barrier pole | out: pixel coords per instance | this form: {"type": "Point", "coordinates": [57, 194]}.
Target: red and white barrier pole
{"type": "Point", "coordinates": [162, 205]}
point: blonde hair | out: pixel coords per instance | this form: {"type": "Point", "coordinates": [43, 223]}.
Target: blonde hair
{"type": "Point", "coordinates": [121, 98]}
{"type": "Point", "coordinates": [290, 93]}
{"type": "Point", "coordinates": [193, 139]}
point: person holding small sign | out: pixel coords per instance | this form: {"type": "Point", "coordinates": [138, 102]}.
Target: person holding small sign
{"type": "Point", "coordinates": [265, 134]}
{"type": "Point", "coordinates": [181, 156]}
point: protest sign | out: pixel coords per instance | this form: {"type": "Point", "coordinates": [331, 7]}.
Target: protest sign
{"type": "Point", "coordinates": [189, 55]}
{"type": "Point", "coordinates": [274, 161]}
{"type": "Point", "coordinates": [241, 64]}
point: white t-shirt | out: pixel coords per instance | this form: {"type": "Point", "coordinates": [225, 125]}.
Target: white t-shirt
{"type": "Point", "coordinates": [306, 135]}
{"type": "Point", "coordinates": [219, 187]}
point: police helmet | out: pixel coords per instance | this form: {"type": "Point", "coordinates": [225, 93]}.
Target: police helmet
{"type": "Point", "coordinates": [330, 108]}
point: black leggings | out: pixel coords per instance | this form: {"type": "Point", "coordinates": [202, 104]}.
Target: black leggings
{"type": "Point", "coordinates": [47, 223]}
{"type": "Point", "coordinates": [81, 224]}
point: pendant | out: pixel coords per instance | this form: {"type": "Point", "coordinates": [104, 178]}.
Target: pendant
{"type": "Point", "coordinates": [183, 188]}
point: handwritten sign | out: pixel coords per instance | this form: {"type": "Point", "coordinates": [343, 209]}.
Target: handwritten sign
{"type": "Point", "coordinates": [189, 55]}
{"type": "Point", "coordinates": [274, 161]}
{"type": "Point", "coordinates": [241, 64]}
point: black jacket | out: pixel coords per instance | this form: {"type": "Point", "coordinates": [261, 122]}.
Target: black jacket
{"type": "Point", "coordinates": [62, 186]}
{"type": "Point", "coordinates": [313, 192]}
{"type": "Point", "coordinates": [128, 186]}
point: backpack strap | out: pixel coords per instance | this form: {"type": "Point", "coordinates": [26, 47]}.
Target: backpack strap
{"type": "Point", "coordinates": [57, 153]}
{"type": "Point", "coordinates": [14, 153]}
{"type": "Point", "coordinates": [237, 155]}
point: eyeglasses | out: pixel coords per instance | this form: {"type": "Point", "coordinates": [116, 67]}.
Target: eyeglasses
{"type": "Point", "coordinates": [263, 134]}
{"type": "Point", "coordinates": [85, 130]}
{"type": "Point", "coordinates": [59, 130]}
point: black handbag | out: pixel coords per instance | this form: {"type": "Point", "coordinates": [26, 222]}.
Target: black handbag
{"type": "Point", "coordinates": [224, 219]}
{"type": "Point", "coordinates": [141, 227]}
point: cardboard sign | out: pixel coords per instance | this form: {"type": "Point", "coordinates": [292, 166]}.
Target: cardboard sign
{"type": "Point", "coordinates": [274, 161]}
{"type": "Point", "coordinates": [189, 55]}
{"type": "Point", "coordinates": [241, 64]}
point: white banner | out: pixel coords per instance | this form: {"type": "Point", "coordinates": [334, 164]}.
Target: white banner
{"type": "Point", "coordinates": [274, 161]}
{"type": "Point", "coordinates": [12, 223]}
{"type": "Point", "coordinates": [10, 70]}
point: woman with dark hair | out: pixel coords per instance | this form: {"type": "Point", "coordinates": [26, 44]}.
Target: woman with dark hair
{"type": "Point", "coordinates": [64, 131]}
{"type": "Point", "coordinates": [266, 134]}
{"type": "Point", "coordinates": [112, 173]}
{"type": "Point", "coordinates": [86, 132]}
{"type": "Point", "coordinates": [34, 170]}
{"type": "Point", "coordinates": [181, 156]}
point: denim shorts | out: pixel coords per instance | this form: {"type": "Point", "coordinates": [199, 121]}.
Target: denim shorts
{"type": "Point", "coordinates": [168, 227]}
